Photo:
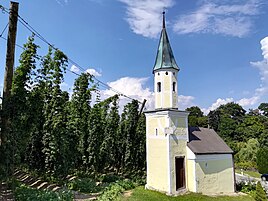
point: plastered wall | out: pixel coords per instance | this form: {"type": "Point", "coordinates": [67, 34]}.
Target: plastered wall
{"type": "Point", "coordinates": [214, 173]}
{"type": "Point", "coordinates": [167, 98]}
{"type": "Point", "coordinates": [157, 176]}
{"type": "Point", "coordinates": [163, 148]}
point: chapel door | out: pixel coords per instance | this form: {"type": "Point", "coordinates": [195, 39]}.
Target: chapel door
{"type": "Point", "coordinates": [180, 173]}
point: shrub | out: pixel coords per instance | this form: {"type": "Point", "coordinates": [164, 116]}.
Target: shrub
{"type": "Point", "coordinates": [24, 193]}
{"type": "Point", "coordinates": [84, 185]}
{"type": "Point", "coordinates": [260, 193]}
{"type": "Point", "coordinates": [248, 188]}
{"type": "Point", "coordinates": [126, 184]}
{"type": "Point", "coordinates": [112, 193]}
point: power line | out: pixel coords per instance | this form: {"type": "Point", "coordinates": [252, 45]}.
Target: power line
{"type": "Point", "coordinates": [15, 44]}
{"type": "Point", "coordinates": [36, 33]}
{"type": "Point", "coordinates": [4, 29]}
{"type": "Point", "coordinates": [4, 10]}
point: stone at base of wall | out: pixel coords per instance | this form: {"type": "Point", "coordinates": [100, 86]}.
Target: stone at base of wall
{"type": "Point", "coordinates": [154, 189]}
{"type": "Point", "coordinates": [178, 192]}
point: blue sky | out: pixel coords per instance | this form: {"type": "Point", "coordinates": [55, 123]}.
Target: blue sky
{"type": "Point", "coordinates": [220, 45]}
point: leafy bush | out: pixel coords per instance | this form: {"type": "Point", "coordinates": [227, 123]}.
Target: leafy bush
{"type": "Point", "coordinates": [84, 185]}
{"type": "Point", "coordinates": [260, 193]}
{"type": "Point", "coordinates": [112, 193]}
{"type": "Point", "coordinates": [126, 184]}
{"type": "Point", "coordinates": [248, 188]}
{"type": "Point", "coordinates": [24, 193]}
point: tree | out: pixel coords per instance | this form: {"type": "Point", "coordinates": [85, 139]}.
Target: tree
{"type": "Point", "coordinates": [203, 121]}
{"type": "Point", "coordinates": [227, 128]}
{"type": "Point", "coordinates": [225, 120]}
{"type": "Point", "coordinates": [196, 117]}
{"type": "Point", "coordinates": [250, 127]}
{"type": "Point", "coordinates": [195, 111]}
{"type": "Point", "coordinates": [264, 108]}
{"type": "Point", "coordinates": [249, 152]}
{"type": "Point", "coordinates": [262, 160]}
{"type": "Point", "coordinates": [214, 119]}
{"type": "Point", "coordinates": [263, 139]}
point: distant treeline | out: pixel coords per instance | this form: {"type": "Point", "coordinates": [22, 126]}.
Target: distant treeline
{"type": "Point", "coordinates": [245, 132]}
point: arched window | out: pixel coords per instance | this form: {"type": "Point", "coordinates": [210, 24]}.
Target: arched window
{"type": "Point", "coordinates": [174, 86]}
{"type": "Point", "coordinates": [158, 86]}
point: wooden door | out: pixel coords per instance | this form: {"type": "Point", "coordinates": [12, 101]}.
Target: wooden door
{"type": "Point", "coordinates": [180, 173]}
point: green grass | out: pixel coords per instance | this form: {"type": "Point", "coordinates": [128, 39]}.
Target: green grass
{"type": "Point", "coordinates": [139, 194]}
{"type": "Point", "coordinates": [249, 173]}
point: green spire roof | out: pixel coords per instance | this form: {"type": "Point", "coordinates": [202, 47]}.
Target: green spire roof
{"type": "Point", "coordinates": [164, 57]}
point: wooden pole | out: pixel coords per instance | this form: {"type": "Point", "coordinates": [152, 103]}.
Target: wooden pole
{"type": "Point", "coordinates": [11, 41]}
{"type": "Point", "coordinates": [9, 69]}
{"type": "Point", "coordinates": [142, 106]}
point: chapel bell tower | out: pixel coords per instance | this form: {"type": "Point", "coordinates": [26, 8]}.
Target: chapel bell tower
{"type": "Point", "coordinates": [165, 74]}
{"type": "Point", "coordinates": [166, 126]}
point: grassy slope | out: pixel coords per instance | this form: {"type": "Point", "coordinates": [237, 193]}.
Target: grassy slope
{"type": "Point", "coordinates": [250, 173]}
{"type": "Point", "coordinates": [140, 194]}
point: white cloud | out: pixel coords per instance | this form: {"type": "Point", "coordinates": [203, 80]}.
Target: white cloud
{"type": "Point", "coordinates": [136, 89]}
{"type": "Point", "coordinates": [244, 102]}
{"type": "Point", "coordinates": [262, 66]}
{"type": "Point", "coordinates": [215, 105]}
{"type": "Point", "coordinates": [248, 101]}
{"type": "Point", "coordinates": [132, 87]}
{"type": "Point", "coordinates": [144, 16]}
{"type": "Point", "coordinates": [185, 101]}
{"type": "Point", "coordinates": [93, 72]}
{"type": "Point", "coordinates": [74, 69]}
{"type": "Point", "coordinates": [219, 18]}
{"type": "Point", "coordinates": [264, 48]}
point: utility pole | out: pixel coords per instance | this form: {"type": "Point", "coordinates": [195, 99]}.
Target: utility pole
{"type": "Point", "coordinates": [11, 41]}
{"type": "Point", "coordinates": [142, 106]}
{"type": "Point", "coordinates": [9, 69]}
